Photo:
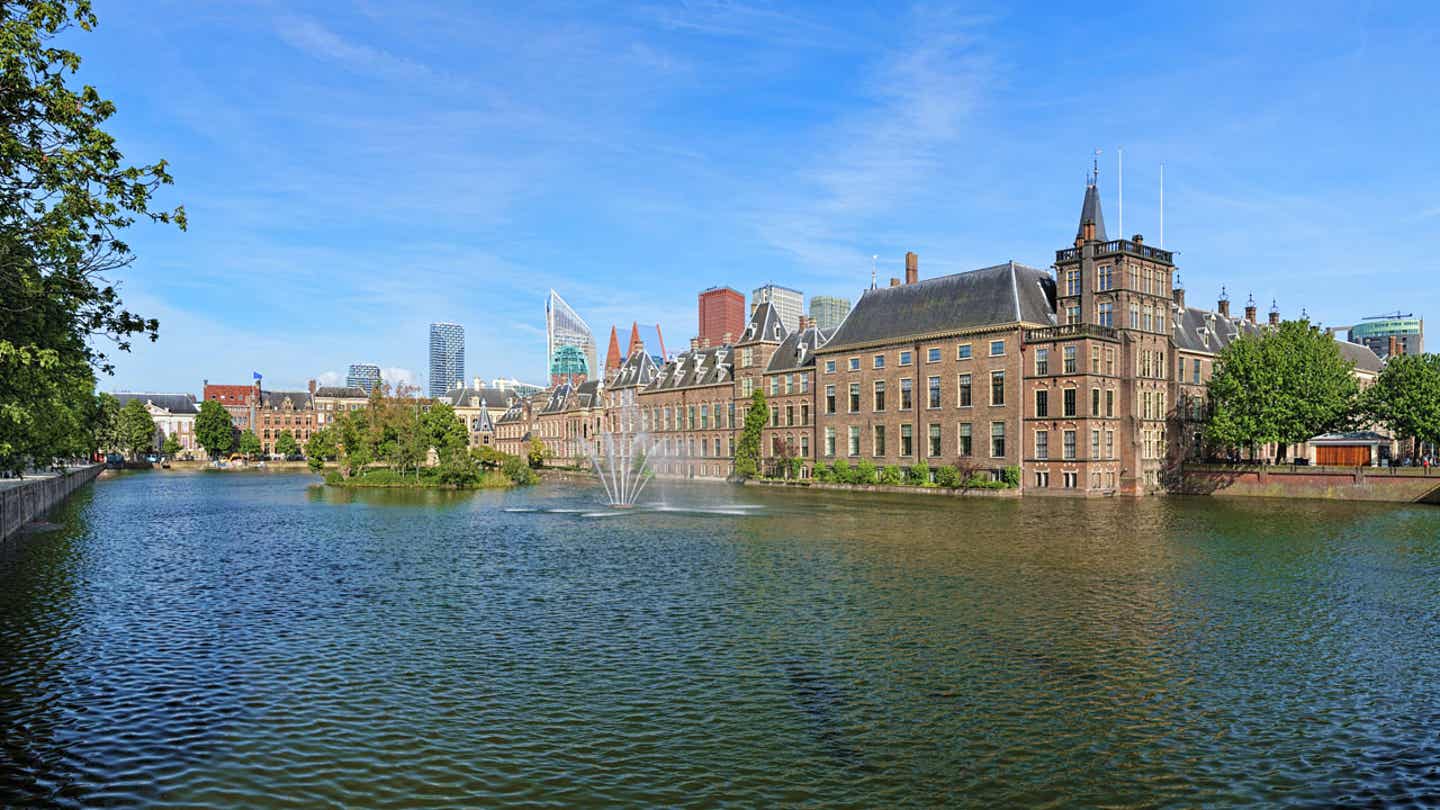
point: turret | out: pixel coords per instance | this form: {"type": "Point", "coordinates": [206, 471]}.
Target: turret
{"type": "Point", "coordinates": [1223, 305]}
{"type": "Point", "coordinates": [1250, 309]}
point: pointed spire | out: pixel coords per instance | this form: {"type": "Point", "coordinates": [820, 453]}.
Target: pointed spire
{"type": "Point", "coordinates": [612, 355]}
{"type": "Point", "coordinates": [635, 341]}
{"type": "Point", "coordinates": [1092, 219]}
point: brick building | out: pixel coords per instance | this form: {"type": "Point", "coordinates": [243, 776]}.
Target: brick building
{"type": "Point", "coordinates": [722, 315]}
{"type": "Point", "coordinates": [690, 410]}
{"type": "Point", "coordinates": [236, 399]}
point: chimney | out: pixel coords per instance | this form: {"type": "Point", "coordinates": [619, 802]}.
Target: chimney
{"type": "Point", "coordinates": [1250, 310]}
{"type": "Point", "coordinates": [1223, 306]}
{"type": "Point", "coordinates": [1274, 314]}
{"type": "Point", "coordinates": [1178, 294]}
{"type": "Point", "coordinates": [694, 343]}
{"type": "Point", "coordinates": [912, 267]}
{"type": "Point", "coordinates": [477, 384]}
{"type": "Point", "coordinates": [894, 282]}
{"type": "Point", "coordinates": [312, 388]}
{"type": "Point", "coordinates": [1393, 350]}
{"type": "Point", "coordinates": [704, 342]}
{"type": "Point", "coordinates": [803, 324]}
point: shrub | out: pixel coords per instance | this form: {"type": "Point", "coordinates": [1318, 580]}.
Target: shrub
{"type": "Point", "coordinates": [1011, 476]}
{"type": "Point", "coordinates": [515, 468]}
{"type": "Point", "coordinates": [864, 473]}
{"type": "Point", "coordinates": [892, 475]}
{"type": "Point", "coordinates": [920, 474]}
{"type": "Point", "coordinates": [824, 472]}
{"type": "Point", "coordinates": [842, 471]}
{"type": "Point", "coordinates": [947, 476]}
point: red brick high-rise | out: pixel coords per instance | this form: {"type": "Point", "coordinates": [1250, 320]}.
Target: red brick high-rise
{"type": "Point", "coordinates": [722, 313]}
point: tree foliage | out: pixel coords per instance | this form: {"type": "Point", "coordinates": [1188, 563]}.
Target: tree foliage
{"type": "Point", "coordinates": [249, 445]}
{"type": "Point", "coordinates": [285, 444]}
{"type": "Point", "coordinates": [213, 428]}
{"type": "Point", "coordinates": [137, 428]}
{"type": "Point", "coordinates": [747, 453]}
{"type": "Point", "coordinates": [1406, 397]}
{"type": "Point", "coordinates": [171, 447]}
{"type": "Point", "coordinates": [66, 197]}
{"type": "Point", "coordinates": [1284, 386]}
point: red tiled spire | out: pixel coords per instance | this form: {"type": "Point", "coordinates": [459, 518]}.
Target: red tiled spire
{"type": "Point", "coordinates": [613, 358]}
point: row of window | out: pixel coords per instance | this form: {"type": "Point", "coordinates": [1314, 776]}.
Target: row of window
{"type": "Point", "coordinates": [1070, 479]}
{"type": "Point", "coordinates": [934, 447]}
{"type": "Point", "coordinates": [964, 394]}
{"type": "Point", "coordinates": [1069, 361]}
{"type": "Point", "coordinates": [1068, 447]}
{"type": "Point", "coordinates": [963, 351]}
{"type": "Point", "coordinates": [1147, 280]}
{"type": "Point", "coordinates": [1068, 397]}
{"type": "Point", "coordinates": [703, 416]}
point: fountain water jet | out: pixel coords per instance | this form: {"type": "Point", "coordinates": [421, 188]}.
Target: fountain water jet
{"type": "Point", "coordinates": [622, 466]}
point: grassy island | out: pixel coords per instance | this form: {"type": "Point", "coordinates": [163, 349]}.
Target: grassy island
{"type": "Point", "coordinates": [428, 478]}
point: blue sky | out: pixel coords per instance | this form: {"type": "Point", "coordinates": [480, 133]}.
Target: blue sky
{"type": "Point", "coordinates": [356, 170]}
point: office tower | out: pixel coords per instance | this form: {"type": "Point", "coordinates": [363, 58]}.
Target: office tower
{"type": "Point", "coordinates": [363, 375]}
{"type": "Point", "coordinates": [788, 304]}
{"type": "Point", "coordinates": [570, 347]}
{"type": "Point", "coordinates": [447, 357]}
{"type": "Point", "coordinates": [827, 311]}
{"type": "Point", "coordinates": [722, 313]}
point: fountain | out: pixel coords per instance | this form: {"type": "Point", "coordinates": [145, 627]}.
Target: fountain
{"type": "Point", "coordinates": [623, 467]}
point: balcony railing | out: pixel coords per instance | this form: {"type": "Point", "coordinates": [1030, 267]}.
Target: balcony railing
{"type": "Point", "coordinates": [1119, 246]}
{"type": "Point", "coordinates": [1070, 331]}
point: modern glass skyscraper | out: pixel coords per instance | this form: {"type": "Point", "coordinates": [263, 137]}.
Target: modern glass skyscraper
{"type": "Point", "coordinates": [569, 346]}
{"type": "Point", "coordinates": [363, 375]}
{"type": "Point", "coordinates": [447, 357]}
{"type": "Point", "coordinates": [788, 304]}
{"type": "Point", "coordinates": [827, 311]}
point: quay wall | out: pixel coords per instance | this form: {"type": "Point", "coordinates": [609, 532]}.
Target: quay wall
{"type": "Point", "coordinates": [1388, 484]}
{"type": "Point", "coordinates": [24, 501]}
{"type": "Point", "coordinates": [887, 488]}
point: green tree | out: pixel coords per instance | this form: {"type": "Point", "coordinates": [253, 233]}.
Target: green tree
{"type": "Point", "coordinates": [518, 471]}
{"type": "Point", "coordinates": [66, 196]}
{"type": "Point", "coordinates": [947, 476]}
{"type": "Point", "coordinates": [892, 475]}
{"type": "Point", "coordinates": [1284, 386]}
{"type": "Point", "coordinates": [1406, 397]}
{"type": "Point", "coordinates": [824, 472]}
{"type": "Point", "coordinates": [320, 449]}
{"type": "Point", "coordinates": [747, 454]}
{"type": "Point", "coordinates": [285, 444]}
{"type": "Point", "coordinates": [920, 474]}
{"type": "Point", "coordinates": [107, 422]}
{"type": "Point", "coordinates": [137, 428]}
{"type": "Point", "coordinates": [171, 447]}
{"type": "Point", "coordinates": [864, 472]}
{"type": "Point", "coordinates": [213, 429]}
{"type": "Point", "coordinates": [536, 453]}
{"type": "Point", "coordinates": [249, 445]}
{"type": "Point", "coordinates": [840, 470]}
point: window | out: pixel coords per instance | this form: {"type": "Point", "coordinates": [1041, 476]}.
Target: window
{"type": "Point", "coordinates": [1159, 320]}
{"type": "Point", "coordinates": [1042, 403]}
{"type": "Point", "coordinates": [789, 383]}
{"type": "Point", "coordinates": [1110, 403]}
{"type": "Point", "coordinates": [1195, 372]}
{"type": "Point", "coordinates": [1094, 401]}
{"type": "Point", "coordinates": [1105, 313]}
{"type": "Point", "coordinates": [962, 352]}
{"type": "Point", "coordinates": [829, 441]}
{"type": "Point", "coordinates": [829, 399]}
{"type": "Point", "coordinates": [804, 383]}
{"type": "Point", "coordinates": [1069, 449]}
{"type": "Point", "coordinates": [879, 395]}
{"type": "Point", "coordinates": [1110, 362]}
{"type": "Point", "coordinates": [829, 366]}
{"type": "Point", "coordinates": [1072, 313]}
{"type": "Point", "coordinates": [934, 386]}
{"type": "Point", "coordinates": [904, 358]}
{"type": "Point", "coordinates": [854, 364]}
{"type": "Point", "coordinates": [854, 440]}
{"type": "Point", "coordinates": [1072, 282]}
{"type": "Point", "coordinates": [1042, 362]}
{"type": "Point", "coordinates": [1069, 400]}
{"type": "Point", "coordinates": [966, 439]}
{"type": "Point", "coordinates": [774, 386]}
{"type": "Point", "coordinates": [934, 440]}
{"type": "Point", "coordinates": [804, 445]}
{"type": "Point", "coordinates": [962, 389]}
{"type": "Point", "coordinates": [932, 355]}
{"type": "Point", "coordinates": [997, 348]}
{"type": "Point", "coordinates": [997, 439]}
{"type": "Point", "coordinates": [906, 395]}
{"type": "Point", "coordinates": [1106, 277]}
{"type": "Point", "coordinates": [1134, 316]}
{"type": "Point", "coordinates": [854, 397]}
{"type": "Point", "coordinates": [804, 413]}
{"type": "Point", "coordinates": [747, 387]}
{"type": "Point", "coordinates": [1042, 480]}
{"type": "Point", "coordinates": [879, 361]}
{"type": "Point", "coordinates": [1094, 444]}
{"type": "Point", "coordinates": [745, 358]}
{"type": "Point", "coordinates": [1042, 445]}
{"type": "Point", "coordinates": [1071, 480]}
{"type": "Point", "coordinates": [1149, 318]}
{"type": "Point", "coordinates": [789, 415]}
{"type": "Point", "coordinates": [704, 417]}
{"type": "Point", "coordinates": [1109, 444]}
{"type": "Point", "coordinates": [997, 388]}
{"type": "Point", "coordinates": [879, 442]}
{"type": "Point", "coordinates": [1070, 360]}
{"type": "Point", "coordinates": [906, 447]}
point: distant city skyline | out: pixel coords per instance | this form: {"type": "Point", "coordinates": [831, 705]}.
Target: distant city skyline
{"type": "Point", "coordinates": [724, 147]}
{"type": "Point", "coordinates": [447, 357]}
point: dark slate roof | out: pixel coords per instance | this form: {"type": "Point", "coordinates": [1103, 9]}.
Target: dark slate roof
{"type": "Point", "coordinates": [485, 425]}
{"type": "Point", "coordinates": [991, 296]}
{"type": "Point", "coordinates": [516, 413]}
{"type": "Point", "coordinates": [696, 367]}
{"type": "Point", "coordinates": [637, 371]}
{"type": "Point", "coordinates": [1090, 212]}
{"type": "Point", "coordinates": [473, 397]}
{"type": "Point", "coordinates": [342, 392]}
{"type": "Point", "coordinates": [275, 400]}
{"type": "Point", "coordinates": [174, 403]}
{"type": "Point", "coordinates": [587, 395]}
{"type": "Point", "coordinates": [798, 350]}
{"type": "Point", "coordinates": [1361, 355]}
{"type": "Point", "coordinates": [764, 326]}
{"type": "Point", "coordinates": [1205, 332]}
{"type": "Point", "coordinates": [556, 401]}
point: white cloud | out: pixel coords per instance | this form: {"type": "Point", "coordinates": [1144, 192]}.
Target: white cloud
{"type": "Point", "coordinates": [330, 378]}
{"type": "Point", "coordinates": [318, 41]}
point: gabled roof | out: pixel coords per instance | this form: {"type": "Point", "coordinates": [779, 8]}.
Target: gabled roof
{"type": "Point", "coordinates": [1362, 356]}
{"type": "Point", "coordinates": [275, 400]}
{"type": "Point", "coordinates": [173, 403]}
{"type": "Point", "coordinates": [765, 326]}
{"type": "Point", "coordinates": [341, 392]}
{"type": "Point", "coordinates": [1206, 332]}
{"type": "Point", "coordinates": [798, 350]}
{"type": "Point", "coordinates": [586, 395]}
{"type": "Point", "coordinates": [991, 296]}
{"type": "Point", "coordinates": [516, 413]}
{"type": "Point", "coordinates": [483, 424]}
{"type": "Point", "coordinates": [555, 403]}
{"type": "Point", "coordinates": [492, 398]}
{"type": "Point", "coordinates": [638, 370]}
{"type": "Point", "coordinates": [696, 367]}
{"type": "Point", "coordinates": [1090, 213]}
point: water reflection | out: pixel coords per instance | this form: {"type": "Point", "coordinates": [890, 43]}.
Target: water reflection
{"type": "Point", "coordinates": [212, 640]}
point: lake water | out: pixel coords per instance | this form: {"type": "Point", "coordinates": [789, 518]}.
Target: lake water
{"type": "Point", "coordinates": [251, 640]}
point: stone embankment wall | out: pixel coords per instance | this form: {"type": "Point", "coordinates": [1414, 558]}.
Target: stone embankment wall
{"type": "Point", "coordinates": [23, 501]}
{"type": "Point", "coordinates": [895, 490]}
{"type": "Point", "coordinates": [1391, 484]}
